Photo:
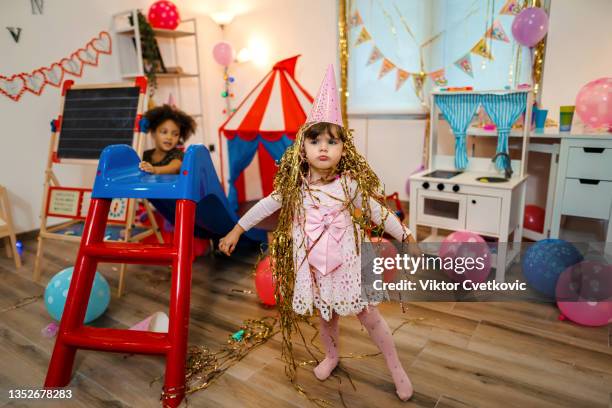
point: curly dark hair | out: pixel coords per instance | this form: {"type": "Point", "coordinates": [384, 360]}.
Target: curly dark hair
{"type": "Point", "coordinates": [160, 114]}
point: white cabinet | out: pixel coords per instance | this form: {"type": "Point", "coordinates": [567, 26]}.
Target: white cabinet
{"type": "Point", "coordinates": [584, 180]}
{"type": "Point", "coordinates": [483, 214]}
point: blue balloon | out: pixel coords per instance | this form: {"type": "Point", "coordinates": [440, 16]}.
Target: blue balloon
{"type": "Point", "coordinates": [57, 290]}
{"type": "Point", "coordinates": [544, 261]}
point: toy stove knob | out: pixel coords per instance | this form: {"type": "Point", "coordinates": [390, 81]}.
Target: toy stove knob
{"type": "Point", "coordinates": [425, 185]}
{"type": "Point", "coordinates": [456, 188]}
{"type": "Point", "coordinates": [440, 186]}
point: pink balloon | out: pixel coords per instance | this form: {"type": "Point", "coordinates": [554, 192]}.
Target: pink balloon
{"type": "Point", "coordinates": [584, 293]}
{"type": "Point", "coordinates": [467, 244]}
{"type": "Point", "coordinates": [530, 26]}
{"type": "Point", "coordinates": [223, 53]}
{"type": "Point", "coordinates": [594, 103]}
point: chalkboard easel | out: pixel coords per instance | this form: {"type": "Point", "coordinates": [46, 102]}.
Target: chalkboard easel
{"type": "Point", "coordinates": [92, 117]}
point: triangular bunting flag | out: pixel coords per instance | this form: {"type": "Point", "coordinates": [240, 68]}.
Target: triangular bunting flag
{"type": "Point", "coordinates": [15, 32]}
{"type": "Point", "coordinates": [496, 32]}
{"type": "Point", "coordinates": [363, 36]}
{"type": "Point", "coordinates": [419, 82]}
{"type": "Point", "coordinates": [402, 76]}
{"type": "Point", "coordinates": [465, 64]}
{"type": "Point", "coordinates": [482, 48]}
{"type": "Point", "coordinates": [511, 8]}
{"type": "Point", "coordinates": [385, 68]}
{"type": "Point", "coordinates": [374, 56]}
{"type": "Point", "coordinates": [355, 20]}
{"type": "Point", "coordinates": [438, 77]}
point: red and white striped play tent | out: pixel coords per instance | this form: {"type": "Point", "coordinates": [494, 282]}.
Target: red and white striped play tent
{"type": "Point", "coordinates": [266, 123]}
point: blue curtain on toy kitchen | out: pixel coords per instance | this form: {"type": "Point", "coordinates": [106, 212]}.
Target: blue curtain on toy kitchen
{"type": "Point", "coordinates": [458, 110]}
{"type": "Point", "coordinates": [241, 153]}
{"type": "Point", "coordinates": [504, 110]}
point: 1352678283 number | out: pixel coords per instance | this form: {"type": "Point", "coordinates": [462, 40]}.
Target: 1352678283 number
{"type": "Point", "coordinates": [40, 393]}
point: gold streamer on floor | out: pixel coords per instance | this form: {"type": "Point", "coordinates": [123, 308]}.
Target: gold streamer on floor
{"type": "Point", "coordinates": [205, 366]}
{"type": "Point", "coordinates": [21, 303]}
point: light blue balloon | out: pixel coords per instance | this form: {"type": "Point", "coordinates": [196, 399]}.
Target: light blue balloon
{"type": "Point", "coordinates": [57, 290]}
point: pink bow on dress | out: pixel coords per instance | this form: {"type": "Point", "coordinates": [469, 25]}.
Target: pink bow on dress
{"type": "Point", "coordinates": [325, 229]}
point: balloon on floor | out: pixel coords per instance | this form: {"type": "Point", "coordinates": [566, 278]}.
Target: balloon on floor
{"type": "Point", "coordinates": [584, 293]}
{"type": "Point", "coordinates": [466, 245]}
{"type": "Point", "coordinates": [264, 282]}
{"type": "Point", "coordinates": [57, 290]}
{"type": "Point", "coordinates": [544, 261]}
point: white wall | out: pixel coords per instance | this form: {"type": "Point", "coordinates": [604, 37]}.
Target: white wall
{"type": "Point", "coordinates": [64, 27]}
{"type": "Point", "coordinates": [578, 50]}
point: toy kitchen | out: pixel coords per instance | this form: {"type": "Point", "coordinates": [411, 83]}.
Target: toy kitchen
{"type": "Point", "coordinates": [485, 195]}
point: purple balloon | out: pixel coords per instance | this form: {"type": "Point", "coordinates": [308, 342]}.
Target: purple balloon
{"type": "Point", "coordinates": [530, 26]}
{"type": "Point", "coordinates": [223, 53]}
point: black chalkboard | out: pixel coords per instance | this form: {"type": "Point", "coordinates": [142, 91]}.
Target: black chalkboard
{"type": "Point", "coordinates": [96, 118]}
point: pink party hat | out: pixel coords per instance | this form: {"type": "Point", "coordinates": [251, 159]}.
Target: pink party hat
{"type": "Point", "coordinates": [326, 106]}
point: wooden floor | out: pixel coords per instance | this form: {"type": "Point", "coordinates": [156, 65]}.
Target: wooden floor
{"type": "Point", "coordinates": [457, 354]}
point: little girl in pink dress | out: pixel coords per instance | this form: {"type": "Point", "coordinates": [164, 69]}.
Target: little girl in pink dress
{"type": "Point", "coordinates": [325, 238]}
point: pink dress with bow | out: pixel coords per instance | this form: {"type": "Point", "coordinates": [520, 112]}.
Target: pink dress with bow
{"type": "Point", "coordinates": [328, 276]}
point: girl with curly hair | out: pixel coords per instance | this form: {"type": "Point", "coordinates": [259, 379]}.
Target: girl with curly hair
{"type": "Point", "coordinates": [169, 127]}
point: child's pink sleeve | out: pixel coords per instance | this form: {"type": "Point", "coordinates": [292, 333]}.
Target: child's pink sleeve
{"type": "Point", "coordinates": [393, 226]}
{"type": "Point", "coordinates": [264, 208]}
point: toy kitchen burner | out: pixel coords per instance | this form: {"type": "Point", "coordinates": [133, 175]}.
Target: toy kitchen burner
{"type": "Point", "coordinates": [480, 195]}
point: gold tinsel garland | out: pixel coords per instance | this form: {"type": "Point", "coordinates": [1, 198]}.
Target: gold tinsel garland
{"type": "Point", "coordinates": [205, 366]}
{"type": "Point", "coordinates": [539, 52]}
{"type": "Point", "coordinates": [344, 54]}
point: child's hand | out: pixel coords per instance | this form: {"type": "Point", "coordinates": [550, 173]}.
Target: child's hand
{"type": "Point", "coordinates": [227, 244]}
{"type": "Point", "coordinates": [148, 167]}
{"type": "Point", "coordinates": [413, 247]}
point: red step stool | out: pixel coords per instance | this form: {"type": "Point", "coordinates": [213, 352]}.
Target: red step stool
{"type": "Point", "coordinates": [74, 335]}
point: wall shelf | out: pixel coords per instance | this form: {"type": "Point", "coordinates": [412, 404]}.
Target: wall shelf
{"type": "Point", "coordinates": [178, 48]}
{"type": "Point", "coordinates": [159, 32]}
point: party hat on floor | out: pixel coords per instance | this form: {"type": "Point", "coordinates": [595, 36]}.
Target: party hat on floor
{"type": "Point", "coordinates": [326, 107]}
{"type": "Point", "coordinates": [157, 322]}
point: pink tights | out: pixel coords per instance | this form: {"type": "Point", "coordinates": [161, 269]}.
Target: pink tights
{"type": "Point", "coordinates": [379, 331]}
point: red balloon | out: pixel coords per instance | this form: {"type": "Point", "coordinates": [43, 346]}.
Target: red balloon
{"type": "Point", "coordinates": [264, 282]}
{"type": "Point", "coordinates": [164, 14]}
{"type": "Point", "coordinates": [534, 218]}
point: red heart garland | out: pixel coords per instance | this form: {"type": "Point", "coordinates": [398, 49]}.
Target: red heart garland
{"type": "Point", "coordinates": [72, 65]}
{"type": "Point", "coordinates": [11, 88]}
{"type": "Point", "coordinates": [53, 74]}
{"type": "Point", "coordinates": [35, 81]}
{"type": "Point", "coordinates": [88, 55]}
{"type": "Point", "coordinates": [103, 43]}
